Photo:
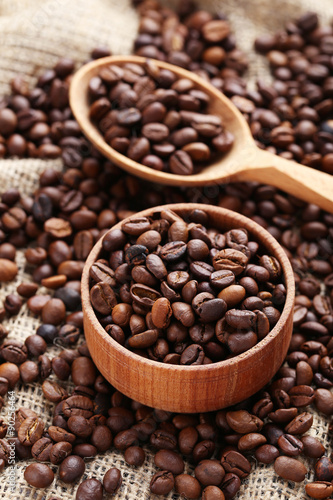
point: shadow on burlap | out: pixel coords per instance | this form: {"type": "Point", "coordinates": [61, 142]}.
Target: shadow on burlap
{"type": "Point", "coordinates": [33, 35]}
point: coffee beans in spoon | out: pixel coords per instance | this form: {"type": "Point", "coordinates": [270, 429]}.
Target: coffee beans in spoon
{"type": "Point", "coordinates": [180, 292]}
{"type": "Point", "coordinates": [156, 118]}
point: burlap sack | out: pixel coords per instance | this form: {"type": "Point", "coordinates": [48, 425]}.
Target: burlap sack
{"type": "Point", "coordinates": [33, 35]}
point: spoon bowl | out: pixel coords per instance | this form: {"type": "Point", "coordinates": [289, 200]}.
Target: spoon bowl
{"type": "Point", "coordinates": [244, 162]}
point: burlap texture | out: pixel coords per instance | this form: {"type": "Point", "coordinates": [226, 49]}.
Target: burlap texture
{"type": "Point", "coordinates": [33, 35]}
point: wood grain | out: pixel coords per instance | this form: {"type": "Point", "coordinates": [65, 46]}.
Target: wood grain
{"type": "Point", "coordinates": [193, 388]}
{"type": "Point", "coordinates": [244, 162]}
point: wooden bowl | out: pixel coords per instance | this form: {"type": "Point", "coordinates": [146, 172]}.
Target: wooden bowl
{"type": "Point", "coordinates": [191, 389]}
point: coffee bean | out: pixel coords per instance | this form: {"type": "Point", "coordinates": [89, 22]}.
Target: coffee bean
{"type": "Point", "coordinates": [209, 472]}
{"type": "Point", "coordinates": [312, 447]}
{"type": "Point", "coordinates": [8, 270]}
{"type": "Point", "coordinates": [71, 468]}
{"type": "Point", "coordinates": [59, 451]}
{"type": "Point", "coordinates": [90, 489]}
{"type": "Point", "coordinates": [319, 489]}
{"type": "Point", "coordinates": [187, 486]}
{"type": "Point", "coordinates": [30, 431]}
{"type": "Point", "coordinates": [324, 469]}
{"type": "Point", "coordinates": [290, 469]}
{"type": "Point", "coordinates": [112, 480]}
{"type": "Point", "coordinates": [39, 475]}
{"type": "Point", "coordinates": [134, 455]}
{"type": "Point", "coordinates": [243, 422]}
{"type": "Point", "coordinates": [170, 461]}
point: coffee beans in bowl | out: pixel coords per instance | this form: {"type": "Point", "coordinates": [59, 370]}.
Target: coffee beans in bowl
{"type": "Point", "coordinates": [191, 293]}
{"type": "Point", "coordinates": [155, 117]}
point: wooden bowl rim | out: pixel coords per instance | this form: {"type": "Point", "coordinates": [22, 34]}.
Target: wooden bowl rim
{"type": "Point", "coordinates": [241, 221]}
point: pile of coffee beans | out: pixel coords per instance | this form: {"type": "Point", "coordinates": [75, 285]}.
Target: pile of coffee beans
{"type": "Point", "coordinates": [177, 290]}
{"type": "Point", "coordinates": [297, 121]}
{"type": "Point", "coordinates": [58, 225]}
{"type": "Point", "coordinates": [156, 118]}
{"type": "Point", "coordinates": [292, 116]}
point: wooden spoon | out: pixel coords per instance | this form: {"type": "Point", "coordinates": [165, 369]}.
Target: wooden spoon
{"type": "Point", "coordinates": [245, 161]}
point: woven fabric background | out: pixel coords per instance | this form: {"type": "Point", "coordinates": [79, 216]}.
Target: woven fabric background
{"type": "Point", "coordinates": [33, 35]}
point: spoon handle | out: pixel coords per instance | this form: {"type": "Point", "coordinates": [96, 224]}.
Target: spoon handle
{"type": "Point", "coordinates": [303, 182]}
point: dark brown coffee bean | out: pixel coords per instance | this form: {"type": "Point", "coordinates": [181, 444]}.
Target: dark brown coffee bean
{"type": "Point", "coordinates": [243, 422]}
{"type": "Point", "coordinates": [266, 453]}
{"type": "Point", "coordinates": [53, 391]}
{"type": "Point", "coordinates": [103, 297]}
{"type": "Point", "coordinates": [41, 449]}
{"type": "Point", "coordinates": [319, 489]}
{"type": "Point", "coordinates": [170, 461]}
{"type": "Point", "coordinates": [187, 486]}
{"type": "Point", "coordinates": [8, 270]}
{"type": "Point", "coordinates": [85, 450]}
{"type": "Point", "coordinates": [39, 475]}
{"type": "Point", "coordinates": [324, 469]}
{"type": "Point", "coordinates": [90, 489]}
{"type": "Point", "coordinates": [112, 480]}
{"type": "Point", "coordinates": [58, 434]}
{"type": "Point", "coordinates": [30, 431]}
{"type": "Point", "coordinates": [134, 455]}
{"type": "Point", "coordinates": [290, 469]}
{"type": "Point", "coordinates": [181, 163]}
{"type": "Point", "coordinates": [209, 472]}
{"type": "Point", "coordinates": [162, 483]}
{"type": "Point", "coordinates": [71, 468]}
{"type": "Point", "coordinates": [235, 463]}
{"type": "Point", "coordinates": [83, 371]}
{"type": "Point", "coordinates": [300, 424]}
{"type": "Point", "coordinates": [290, 445]}
{"type": "Point", "coordinates": [59, 452]}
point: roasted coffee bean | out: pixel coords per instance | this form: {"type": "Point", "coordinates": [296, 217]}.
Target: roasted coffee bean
{"type": "Point", "coordinates": [162, 483]}
{"type": "Point", "coordinates": [71, 468]}
{"type": "Point", "coordinates": [85, 450]}
{"type": "Point", "coordinates": [290, 469]}
{"type": "Point", "coordinates": [300, 424]}
{"type": "Point", "coordinates": [103, 297]}
{"type": "Point", "coordinates": [112, 480]}
{"type": "Point", "coordinates": [80, 426]}
{"type": "Point", "coordinates": [266, 453]}
{"type": "Point", "coordinates": [30, 431]}
{"type": "Point", "coordinates": [209, 472]}
{"type": "Point", "coordinates": [41, 449]}
{"type": "Point", "coordinates": [8, 270]}
{"type": "Point", "coordinates": [101, 438]}
{"type": "Point", "coordinates": [53, 391]}
{"type": "Point", "coordinates": [290, 445]}
{"type": "Point", "coordinates": [187, 486]}
{"type": "Point", "coordinates": [251, 441]}
{"type": "Point", "coordinates": [83, 371]}
{"type": "Point", "coordinates": [78, 405]}
{"type": "Point", "coordinates": [235, 463]}
{"type": "Point", "coordinates": [319, 489]}
{"type": "Point", "coordinates": [163, 440]}
{"type": "Point", "coordinates": [312, 447]}
{"type": "Point", "coordinates": [324, 469]}
{"type": "Point", "coordinates": [58, 434]}
{"type": "Point", "coordinates": [134, 455]}
{"type": "Point", "coordinates": [90, 489]}
{"type": "Point", "coordinates": [170, 461]}
{"type": "Point", "coordinates": [39, 475]}
{"type": "Point", "coordinates": [243, 422]}
{"type": "Point", "coordinates": [14, 351]}
{"type": "Point", "coordinates": [125, 439]}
